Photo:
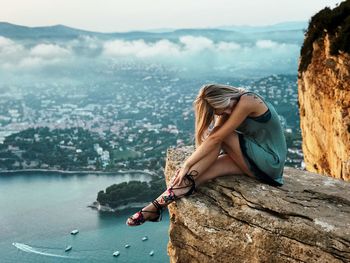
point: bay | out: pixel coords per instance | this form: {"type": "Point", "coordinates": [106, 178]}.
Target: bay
{"type": "Point", "coordinates": [40, 210]}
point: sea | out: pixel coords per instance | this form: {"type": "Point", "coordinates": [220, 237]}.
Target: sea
{"type": "Point", "coordinates": [39, 210]}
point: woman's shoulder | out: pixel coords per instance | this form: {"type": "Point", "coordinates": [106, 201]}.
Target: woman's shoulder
{"type": "Point", "coordinates": [250, 94]}
{"type": "Point", "coordinates": [251, 97]}
{"type": "Point", "coordinates": [255, 102]}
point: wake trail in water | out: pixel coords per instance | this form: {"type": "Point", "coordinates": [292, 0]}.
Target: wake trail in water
{"type": "Point", "coordinates": [30, 249]}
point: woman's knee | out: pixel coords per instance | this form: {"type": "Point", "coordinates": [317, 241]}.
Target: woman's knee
{"type": "Point", "coordinates": [222, 166]}
{"type": "Point", "coordinates": [232, 137]}
{"type": "Point", "coordinates": [231, 143]}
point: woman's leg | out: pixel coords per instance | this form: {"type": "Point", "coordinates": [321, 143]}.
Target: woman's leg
{"type": "Point", "coordinates": [164, 199]}
{"type": "Point", "coordinates": [232, 147]}
{"type": "Point", "coordinates": [209, 168]}
{"type": "Point", "coordinates": [222, 166]}
{"type": "Point", "coordinates": [214, 165]}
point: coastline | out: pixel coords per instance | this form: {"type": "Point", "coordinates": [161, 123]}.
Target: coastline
{"type": "Point", "coordinates": [66, 172]}
{"type": "Point", "coordinates": [106, 208]}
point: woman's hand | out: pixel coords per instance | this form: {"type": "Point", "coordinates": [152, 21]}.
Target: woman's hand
{"type": "Point", "coordinates": [180, 173]}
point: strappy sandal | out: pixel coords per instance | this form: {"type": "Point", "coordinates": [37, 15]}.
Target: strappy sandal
{"type": "Point", "coordinates": [191, 183]}
{"type": "Point", "coordinates": [139, 219]}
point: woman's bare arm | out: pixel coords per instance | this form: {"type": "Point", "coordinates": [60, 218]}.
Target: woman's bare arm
{"type": "Point", "coordinates": [238, 115]}
{"type": "Point", "coordinates": [219, 121]}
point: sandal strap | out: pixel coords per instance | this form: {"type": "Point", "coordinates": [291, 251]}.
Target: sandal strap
{"type": "Point", "coordinates": [157, 205]}
{"type": "Point", "coordinates": [192, 185]}
{"type": "Point", "coordinates": [139, 220]}
{"type": "Point", "coordinates": [181, 187]}
{"type": "Point", "coordinates": [156, 212]}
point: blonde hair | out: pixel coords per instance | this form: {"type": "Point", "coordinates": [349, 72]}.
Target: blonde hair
{"type": "Point", "coordinates": [209, 98]}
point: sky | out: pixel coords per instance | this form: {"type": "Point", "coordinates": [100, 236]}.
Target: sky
{"type": "Point", "coordinates": [128, 15]}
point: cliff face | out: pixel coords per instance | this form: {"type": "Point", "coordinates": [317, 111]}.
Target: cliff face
{"type": "Point", "coordinates": [238, 219]}
{"type": "Point", "coordinates": [324, 94]}
{"type": "Point", "coordinates": [324, 104]}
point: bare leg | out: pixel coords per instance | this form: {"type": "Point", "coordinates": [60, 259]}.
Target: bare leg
{"type": "Point", "coordinates": [165, 198]}
{"type": "Point", "coordinates": [208, 168]}
{"type": "Point", "coordinates": [232, 147]}
{"type": "Point", "coordinates": [222, 166]}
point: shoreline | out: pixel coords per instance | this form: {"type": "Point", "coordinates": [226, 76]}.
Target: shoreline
{"type": "Point", "coordinates": [107, 209]}
{"type": "Point", "coordinates": [67, 172]}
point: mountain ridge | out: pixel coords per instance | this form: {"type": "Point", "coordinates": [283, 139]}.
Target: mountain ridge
{"type": "Point", "coordinates": [55, 31]}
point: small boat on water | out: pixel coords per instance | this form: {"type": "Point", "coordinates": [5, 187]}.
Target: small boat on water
{"type": "Point", "coordinates": [74, 232]}
{"type": "Point", "coordinates": [151, 253]}
{"type": "Point", "coordinates": [116, 253]}
{"type": "Point", "coordinates": [144, 238]}
{"type": "Point", "coordinates": [68, 248]}
{"type": "Point", "coordinates": [127, 245]}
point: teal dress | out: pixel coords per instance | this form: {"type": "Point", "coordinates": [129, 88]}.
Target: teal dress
{"type": "Point", "coordinates": [263, 145]}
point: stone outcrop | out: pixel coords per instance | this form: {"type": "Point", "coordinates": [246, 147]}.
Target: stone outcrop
{"type": "Point", "coordinates": [324, 98]}
{"type": "Point", "coordinates": [236, 218]}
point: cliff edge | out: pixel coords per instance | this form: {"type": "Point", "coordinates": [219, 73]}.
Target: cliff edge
{"type": "Point", "coordinates": [238, 219]}
{"type": "Point", "coordinates": [324, 93]}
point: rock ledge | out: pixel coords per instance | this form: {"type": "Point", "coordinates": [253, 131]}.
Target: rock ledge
{"type": "Point", "coordinates": [238, 219]}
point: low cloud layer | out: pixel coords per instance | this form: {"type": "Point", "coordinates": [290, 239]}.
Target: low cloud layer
{"type": "Point", "coordinates": [188, 45]}
{"type": "Point", "coordinates": [14, 56]}
{"type": "Point", "coordinates": [192, 52]}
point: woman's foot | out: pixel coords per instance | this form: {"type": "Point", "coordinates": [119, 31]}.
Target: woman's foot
{"type": "Point", "coordinates": [143, 215]}
{"type": "Point", "coordinates": [152, 212]}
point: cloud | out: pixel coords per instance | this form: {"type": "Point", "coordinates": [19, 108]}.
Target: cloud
{"type": "Point", "coordinates": [30, 62]}
{"type": "Point", "coordinates": [14, 56]}
{"type": "Point", "coordinates": [85, 46]}
{"type": "Point", "coordinates": [187, 45]}
{"type": "Point", "coordinates": [49, 51]}
{"type": "Point", "coordinates": [88, 42]}
{"type": "Point", "coordinates": [9, 48]}
{"type": "Point", "coordinates": [266, 44]}
{"type": "Point", "coordinates": [141, 49]}
{"type": "Point", "coordinates": [195, 44]}
{"type": "Point", "coordinates": [228, 46]}
{"type": "Point", "coordinates": [191, 52]}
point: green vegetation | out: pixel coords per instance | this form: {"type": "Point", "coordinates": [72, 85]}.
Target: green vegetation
{"type": "Point", "coordinates": [336, 23]}
{"type": "Point", "coordinates": [130, 192]}
{"type": "Point", "coordinates": [74, 149]}
{"type": "Point", "coordinates": [66, 149]}
{"type": "Point", "coordinates": [124, 155]}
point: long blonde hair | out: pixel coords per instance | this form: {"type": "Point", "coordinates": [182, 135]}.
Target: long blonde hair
{"type": "Point", "coordinates": [209, 98]}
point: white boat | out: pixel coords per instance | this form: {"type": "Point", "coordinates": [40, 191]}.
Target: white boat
{"type": "Point", "coordinates": [127, 245]}
{"type": "Point", "coordinates": [144, 238]}
{"type": "Point", "coordinates": [116, 253]}
{"type": "Point", "coordinates": [74, 232]}
{"type": "Point", "coordinates": [68, 248]}
{"type": "Point", "coordinates": [151, 253]}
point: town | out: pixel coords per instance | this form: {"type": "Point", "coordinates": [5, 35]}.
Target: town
{"type": "Point", "coordinates": [126, 122]}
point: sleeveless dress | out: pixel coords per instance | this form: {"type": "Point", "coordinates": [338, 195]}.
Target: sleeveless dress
{"type": "Point", "coordinates": [263, 145]}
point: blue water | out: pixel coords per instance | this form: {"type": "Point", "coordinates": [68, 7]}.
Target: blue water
{"type": "Point", "coordinates": [40, 210]}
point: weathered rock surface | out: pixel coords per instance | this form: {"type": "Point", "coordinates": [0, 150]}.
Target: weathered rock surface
{"type": "Point", "coordinates": [324, 105]}
{"type": "Point", "coordinates": [235, 218]}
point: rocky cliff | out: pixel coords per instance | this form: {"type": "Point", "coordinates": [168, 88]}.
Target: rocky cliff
{"type": "Point", "coordinates": [238, 219]}
{"type": "Point", "coordinates": [324, 93]}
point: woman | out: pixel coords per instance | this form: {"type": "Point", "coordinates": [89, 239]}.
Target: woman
{"type": "Point", "coordinates": [236, 132]}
